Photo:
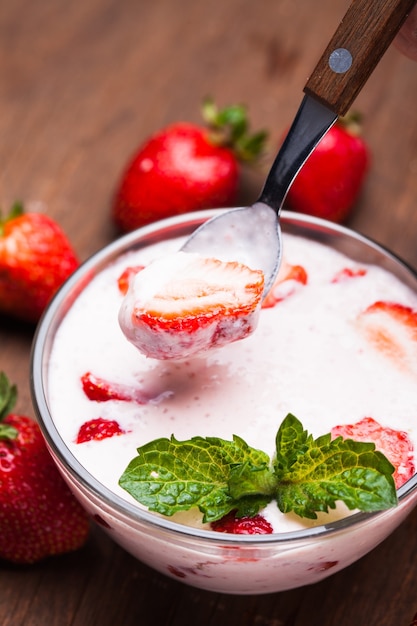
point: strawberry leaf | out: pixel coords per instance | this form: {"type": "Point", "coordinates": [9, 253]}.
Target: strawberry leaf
{"type": "Point", "coordinates": [8, 395]}
{"type": "Point", "coordinates": [8, 432]}
{"type": "Point", "coordinates": [169, 476]}
{"type": "Point", "coordinates": [249, 147]}
{"type": "Point", "coordinates": [15, 211]}
{"type": "Point", "coordinates": [229, 127]}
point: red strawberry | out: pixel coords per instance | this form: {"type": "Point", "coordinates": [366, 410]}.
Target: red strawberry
{"type": "Point", "coordinates": [394, 444]}
{"type": "Point", "coordinates": [256, 525]}
{"type": "Point", "coordinates": [39, 517]}
{"type": "Point", "coordinates": [330, 181]}
{"type": "Point", "coordinates": [392, 328]}
{"type": "Point", "coordinates": [35, 259]}
{"type": "Point", "coordinates": [183, 304]}
{"type": "Point", "coordinates": [126, 276]}
{"type": "Point", "coordinates": [185, 167]}
{"type": "Point", "coordinates": [101, 390]}
{"type": "Point", "coordinates": [98, 429]}
{"type": "Point", "coordinates": [348, 272]}
{"type": "Point", "coordinates": [290, 278]}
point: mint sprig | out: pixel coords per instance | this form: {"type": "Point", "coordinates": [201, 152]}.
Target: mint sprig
{"type": "Point", "coordinates": [313, 474]}
{"type": "Point", "coordinates": [305, 476]}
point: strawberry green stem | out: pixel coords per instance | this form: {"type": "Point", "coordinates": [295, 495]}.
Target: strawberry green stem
{"type": "Point", "coordinates": [229, 128]}
{"type": "Point", "coordinates": [8, 395]}
{"type": "Point", "coordinates": [8, 432]}
{"type": "Point", "coordinates": [15, 211]}
{"type": "Point", "coordinates": [352, 122]}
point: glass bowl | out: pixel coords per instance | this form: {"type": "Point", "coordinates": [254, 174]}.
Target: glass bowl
{"type": "Point", "coordinates": [234, 564]}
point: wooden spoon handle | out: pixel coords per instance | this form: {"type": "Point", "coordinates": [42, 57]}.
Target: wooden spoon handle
{"type": "Point", "coordinates": [362, 37]}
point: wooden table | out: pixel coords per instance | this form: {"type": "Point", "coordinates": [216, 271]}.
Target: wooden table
{"type": "Point", "coordinates": [82, 83]}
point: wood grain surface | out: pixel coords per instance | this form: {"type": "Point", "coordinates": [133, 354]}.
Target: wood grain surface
{"type": "Point", "coordinates": [82, 83]}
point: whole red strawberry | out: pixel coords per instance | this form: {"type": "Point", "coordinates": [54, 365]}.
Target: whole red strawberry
{"type": "Point", "coordinates": [35, 259]}
{"type": "Point", "coordinates": [331, 179]}
{"type": "Point", "coordinates": [185, 167]}
{"type": "Point", "coordinates": [39, 516]}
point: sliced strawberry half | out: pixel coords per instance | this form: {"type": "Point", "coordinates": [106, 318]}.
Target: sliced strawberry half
{"type": "Point", "coordinates": [289, 280]}
{"type": "Point", "coordinates": [392, 329]}
{"type": "Point", "coordinates": [394, 444]}
{"type": "Point", "coordinates": [183, 304]}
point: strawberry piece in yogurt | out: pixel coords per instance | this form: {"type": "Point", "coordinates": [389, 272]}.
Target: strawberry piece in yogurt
{"type": "Point", "coordinates": [348, 272]}
{"type": "Point", "coordinates": [392, 328]}
{"type": "Point", "coordinates": [101, 390]}
{"type": "Point", "coordinates": [289, 280]}
{"type": "Point", "coordinates": [126, 276]}
{"type": "Point", "coordinates": [394, 444]}
{"type": "Point", "coordinates": [183, 304]}
{"type": "Point", "coordinates": [98, 429]}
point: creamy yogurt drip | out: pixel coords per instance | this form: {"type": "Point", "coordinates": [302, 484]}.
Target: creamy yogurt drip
{"type": "Point", "coordinates": [306, 357]}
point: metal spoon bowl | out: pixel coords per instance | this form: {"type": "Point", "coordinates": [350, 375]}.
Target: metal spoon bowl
{"type": "Point", "coordinates": [250, 235]}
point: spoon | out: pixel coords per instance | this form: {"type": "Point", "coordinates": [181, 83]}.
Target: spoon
{"type": "Point", "coordinates": [252, 234]}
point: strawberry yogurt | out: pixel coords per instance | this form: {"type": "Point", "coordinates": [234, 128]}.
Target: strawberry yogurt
{"type": "Point", "coordinates": [316, 353]}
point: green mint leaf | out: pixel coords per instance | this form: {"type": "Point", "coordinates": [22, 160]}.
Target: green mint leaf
{"type": "Point", "coordinates": [169, 475]}
{"type": "Point", "coordinates": [314, 474]}
{"type": "Point", "coordinates": [249, 506]}
{"type": "Point", "coordinates": [251, 487]}
{"type": "Point", "coordinates": [247, 479]}
{"type": "Point", "coordinates": [291, 441]}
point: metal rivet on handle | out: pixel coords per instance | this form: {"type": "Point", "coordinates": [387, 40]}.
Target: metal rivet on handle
{"type": "Point", "coordinates": [340, 60]}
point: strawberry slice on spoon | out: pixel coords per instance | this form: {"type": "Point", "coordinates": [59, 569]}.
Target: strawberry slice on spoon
{"type": "Point", "coordinates": [183, 304]}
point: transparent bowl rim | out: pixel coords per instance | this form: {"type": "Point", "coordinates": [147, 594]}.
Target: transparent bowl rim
{"type": "Point", "coordinates": [118, 505]}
